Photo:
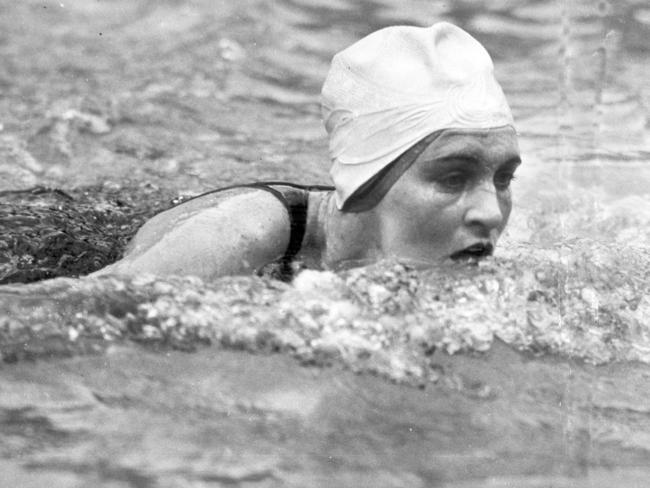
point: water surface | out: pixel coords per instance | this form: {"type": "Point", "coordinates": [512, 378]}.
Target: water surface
{"type": "Point", "coordinates": [530, 370]}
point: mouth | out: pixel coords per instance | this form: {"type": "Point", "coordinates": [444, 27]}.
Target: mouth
{"type": "Point", "coordinates": [474, 252]}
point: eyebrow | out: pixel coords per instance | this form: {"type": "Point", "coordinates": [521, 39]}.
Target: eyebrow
{"type": "Point", "coordinates": [474, 158]}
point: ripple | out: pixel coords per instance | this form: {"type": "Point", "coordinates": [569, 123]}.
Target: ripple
{"type": "Point", "coordinates": [540, 12]}
{"type": "Point", "coordinates": [642, 15]}
{"type": "Point", "coordinates": [502, 25]}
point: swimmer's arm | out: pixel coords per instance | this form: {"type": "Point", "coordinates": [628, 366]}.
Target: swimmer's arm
{"type": "Point", "coordinates": [236, 236]}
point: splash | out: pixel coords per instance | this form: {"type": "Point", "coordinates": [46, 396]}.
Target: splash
{"type": "Point", "coordinates": [385, 319]}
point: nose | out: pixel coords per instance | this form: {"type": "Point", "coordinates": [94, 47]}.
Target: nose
{"type": "Point", "coordinates": [483, 212]}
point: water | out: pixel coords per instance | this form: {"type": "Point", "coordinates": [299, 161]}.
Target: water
{"type": "Point", "coordinates": [530, 370]}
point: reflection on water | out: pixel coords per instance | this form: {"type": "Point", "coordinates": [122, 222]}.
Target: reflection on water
{"type": "Point", "coordinates": [124, 105]}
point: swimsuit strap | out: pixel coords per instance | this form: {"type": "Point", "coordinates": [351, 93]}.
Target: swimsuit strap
{"type": "Point", "coordinates": [296, 200]}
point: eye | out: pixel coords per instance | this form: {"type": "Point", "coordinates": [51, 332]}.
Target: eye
{"type": "Point", "coordinates": [502, 180]}
{"type": "Point", "coordinates": [455, 181]}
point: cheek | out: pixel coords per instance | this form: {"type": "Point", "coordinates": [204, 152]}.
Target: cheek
{"type": "Point", "coordinates": [421, 213]}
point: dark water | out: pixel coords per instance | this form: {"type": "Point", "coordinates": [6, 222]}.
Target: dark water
{"type": "Point", "coordinates": [531, 370]}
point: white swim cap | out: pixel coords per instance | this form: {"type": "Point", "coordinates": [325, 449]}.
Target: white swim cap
{"type": "Point", "coordinates": [397, 85]}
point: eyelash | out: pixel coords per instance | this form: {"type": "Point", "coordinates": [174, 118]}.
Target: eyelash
{"type": "Point", "coordinates": [461, 179]}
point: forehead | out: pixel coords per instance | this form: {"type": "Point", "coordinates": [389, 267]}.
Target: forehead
{"type": "Point", "coordinates": [490, 145]}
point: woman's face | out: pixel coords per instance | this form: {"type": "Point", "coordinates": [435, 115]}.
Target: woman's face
{"type": "Point", "coordinates": [454, 201]}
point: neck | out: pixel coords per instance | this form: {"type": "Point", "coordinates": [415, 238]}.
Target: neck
{"type": "Point", "coordinates": [336, 239]}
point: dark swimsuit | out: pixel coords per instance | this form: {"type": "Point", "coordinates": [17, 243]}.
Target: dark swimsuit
{"type": "Point", "coordinates": [295, 199]}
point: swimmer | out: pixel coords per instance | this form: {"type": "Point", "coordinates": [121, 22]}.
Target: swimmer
{"type": "Point", "coordinates": [422, 149]}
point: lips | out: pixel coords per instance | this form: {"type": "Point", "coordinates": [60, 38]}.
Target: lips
{"type": "Point", "coordinates": [475, 251]}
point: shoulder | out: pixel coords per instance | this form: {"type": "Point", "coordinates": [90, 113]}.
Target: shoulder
{"type": "Point", "coordinates": [258, 214]}
{"type": "Point", "coordinates": [253, 210]}
{"type": "Point", "coordinates": [235, 233]}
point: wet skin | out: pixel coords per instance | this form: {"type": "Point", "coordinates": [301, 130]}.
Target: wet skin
{"type": "Point", "coordinates": [455, 195]}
